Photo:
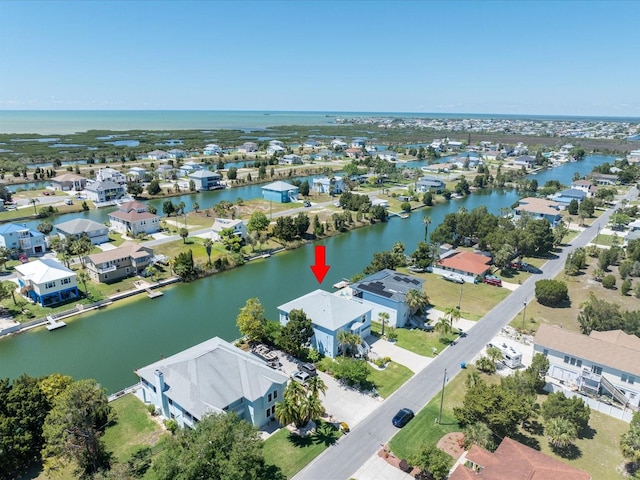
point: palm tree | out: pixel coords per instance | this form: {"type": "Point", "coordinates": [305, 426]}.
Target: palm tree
{"type": "Point", "coordinates": [83, 277]}
{"type": "Point", "coordinates": [33, 202]}
{"type": "Point", "coordinates": [343, 340]}
{"type": "Point", "coordinates": [443, 326]}
{"type": "Point", "coordinates": [312, 408]}
{"type": "Point", "coordinates": [417, 301]}
{"type": "Point", "coordinates": [196, 206]}
{"type": "Point", "coordinates": [208, 243]}
{"type": "Point", "coordinates": [427, 222]}
{"type": "Point", "coordinates": [384, 318]}
{"type": "Point", "coordinates": [561, 432]}
{"type": "Point", "coordinates": [453, 314]}
{"type": "Point", "coordinates": [316, 386]}
{"type": "Point", "coordinates": [286, 412]}
{"type": "Point", "coordinates": [478, 434]}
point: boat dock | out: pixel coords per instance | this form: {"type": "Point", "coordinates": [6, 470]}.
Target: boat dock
{"type": "Point", "coordinates": [153, 294]}
{"type": "Point", "coordinates": [54, 324]}
{"type": "Point", "coordinates": [342, 284]}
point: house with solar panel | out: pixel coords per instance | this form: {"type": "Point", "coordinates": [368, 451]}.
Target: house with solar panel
{"type": "Point", "coordinates": [385, 291]}
{"type": "Point", "coordinates": [330, 314]}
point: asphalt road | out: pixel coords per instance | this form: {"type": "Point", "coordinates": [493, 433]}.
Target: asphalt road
{"type": "Point", "coordinates": [345, 457]}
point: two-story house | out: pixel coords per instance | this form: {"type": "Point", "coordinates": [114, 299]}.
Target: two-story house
{"type": "Point", "coordinates": [539, 208]}
{"type": "Point", "coordinates": [22, 238]}
{"type": "Point", "coordinates": [237, 225]}
{"type": "Point", "coordinates": [595, 363]}
{"type": "Point", "coordinates": [112, 265]}
{"type": "Point", "coordinates": [97, 232]}
{"type": "Point", "coordinates": [333, 185]}
{"type": "Point", "coordinates": [329, 314]}
{"type": "Point", "coordinates": [47, 282]}
{"type": "Point", "coordinates": [280, 192]}
{"type": "Point", "coordinates": [69, 181]}
{"type": "Point", "coordinates": [102, 192]}
{"type": "Point", "coordinates": [111, 175]}
{"type": "Point", "coordinates": [134, 218]}
{"type": "Point", "coordinates": [430, 184]}
{"type": "Point", "coordinates": [212, 377]}
{"type": "Point", "coordinates": [206, 180]}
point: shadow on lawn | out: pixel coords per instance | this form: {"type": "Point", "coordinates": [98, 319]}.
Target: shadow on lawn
{"type": "Point", "coordinates": [325, 434]}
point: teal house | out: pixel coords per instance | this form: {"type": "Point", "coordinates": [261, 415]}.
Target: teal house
{"type": "Point", "coordinates": [280, 192]}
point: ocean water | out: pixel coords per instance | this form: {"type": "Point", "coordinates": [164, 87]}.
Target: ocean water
{"type": "Point", "coordinates": [63, 122]}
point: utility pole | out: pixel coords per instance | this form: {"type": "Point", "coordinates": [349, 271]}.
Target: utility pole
{"type": "Point", "coordinates": [524, 312]}
{"type": "Point", "coordinates": [460, 297]}
{"type": "Point", "coordinates": [444, 381]}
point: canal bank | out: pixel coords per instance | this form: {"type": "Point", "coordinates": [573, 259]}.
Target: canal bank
{"type": "Point", "coordinates": [108, 345]}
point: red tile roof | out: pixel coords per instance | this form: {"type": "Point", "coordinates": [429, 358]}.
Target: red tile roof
{"type": "Point", "coordinates": [132, 216]}
{"type": "Point", "coordinates": [467, 262]}
{"type": "Point", "coordinates": [515, 461]}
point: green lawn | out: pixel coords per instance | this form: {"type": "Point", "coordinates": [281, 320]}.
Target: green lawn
{"type": "Point", "coordinates": [608, 240]}
{"type": "Point", "coordinates": [417, 341]}
{"type": "Point", "coordinates": [133, 428]}
{"type": "Point", "coordinates": [291, 453]}
{"type": "Point", "coordinates": [390, 379]}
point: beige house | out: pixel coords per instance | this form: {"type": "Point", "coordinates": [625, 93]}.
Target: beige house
{"type": "Point", "coordinates": [69, 181]}
{"type": "Point", "coordinates": [128, 259]}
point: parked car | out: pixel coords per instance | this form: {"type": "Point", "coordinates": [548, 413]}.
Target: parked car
{"type": "Point", "coordinates": [453, 278]}
{"type": "Point", "coordinates": [307, 203]}
{"type": "Point", "coordinates": [23, 258]}
{"type": "Point", "coordinates": [302, 377]}
{"type": "Point", "coordinates": [491, 280]}
{"type": "Point", "coordinates": [402, 417]}
{"type": "Point", "coordinates": [308, 368]}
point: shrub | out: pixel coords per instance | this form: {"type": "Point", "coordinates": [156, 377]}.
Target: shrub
{"type": "Point", "coordinates": [151, 408]}
{"type": "Point", "coordinates": [486, 365]}
{"type": "Point", "coordinates": [551, 293]}
{"type": "Point", "coordinates": [405, 206]}
{"type": "Point", "coordinates": [171, 425]}
{"type": "Point", "coordinates": [391, 333]}
{"type": "Point", "coordinates": [609, 281]}
{"type": "Point", "coordinates": [625, 288]}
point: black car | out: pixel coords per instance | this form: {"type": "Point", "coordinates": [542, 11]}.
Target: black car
{"type": "Point", "coordinates": [402, 417]}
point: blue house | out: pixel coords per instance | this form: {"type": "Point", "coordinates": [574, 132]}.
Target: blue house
{"type": "Point", "coordinates": [47, 282]}
{"type": "Point", "coordinates": [330, 314]}
{"type": "Point", "coordinates": [430, 184]}
{"type": "Point", "coordinates": [565, 196]}
{"type": "Point", "coordinates": [280, 192]}
{"type": "Point", "coordinates": [385, 291]}
{"type": "Point", "coordinates": [539, 208]}
{"type": "Point", "coordinates": [19, 237]}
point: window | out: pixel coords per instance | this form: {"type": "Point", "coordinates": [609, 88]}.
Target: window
{"type": "Point", "coordinates": [566, 359]}
{"type": "Point", "coordinates": [275, 394]}
{"type": "Point", "coordinates": [628, 378]}
{"type": "Point", "coordinates": [596, 369]}
{"type": "Point", "coordinates": [545, 352]}
{"type": "Point", "coordinates": [572, 361]}
{"type": "Point", "coordinates": [269, 398]}
{"type": "Point", "coordinates": [267, 412]}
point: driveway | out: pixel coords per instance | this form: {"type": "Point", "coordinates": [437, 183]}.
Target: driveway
{"type": "Point", "coordinates": [412, 361]}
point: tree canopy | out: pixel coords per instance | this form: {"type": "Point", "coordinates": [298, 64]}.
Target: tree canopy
{"type": "Point", "coordinates": [251, 321]}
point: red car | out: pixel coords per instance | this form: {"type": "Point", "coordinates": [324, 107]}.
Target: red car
{"type": "Point", "coordinates": [23, 258]}
{"type": "Point", "coordinates": [493, 281]}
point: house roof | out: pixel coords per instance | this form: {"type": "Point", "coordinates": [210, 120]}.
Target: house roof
{"type": "Point", "coordinates": [221, 223]}
{"type": "Point", "coordinates": [390, 284]}
{"type": "Point", "coordinates": [514, 461]}
{"type": "Point", "coordinates": [12, 228]}
{"type": "Point", "coordinates": [326, 310]}
{"type": "Point", "coordinates": [157, 152]}
{"type": "Point", "coordinates": [280, 187]}
{"type": "Point", "coordinates": [525, 158]}
{"type": "Point", "coordinates": [104, 185]}
{"type": "Point", "coordinates": [586, 183]}
{"type": "Point", "coordinates": [467, 262]}
{"type": "Point", "coordinates": [572, 192]}
{"type": "Point", "coordinates": [132, 205]}
{"type": "Point", "coordinates": [132, 215]}
{"type": "Point", "coordinates": [539, 205]}
{"type": "Point", "coordinates": [614, 348]}
{"type": "Point", "coordinates": [204, 174]}
{"type": "Point", "coordinates": [79, 225]}
{"type": "Point", "coordinates": [212, 375]}
{"type": "Point", "coordinates": [68, 177]}
{"type": "Point", "coordinates": [44, 270]}
{"type": "Point", "coordinates": [127, 249]}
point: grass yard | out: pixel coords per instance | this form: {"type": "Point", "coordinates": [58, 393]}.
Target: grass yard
{"type": "Point", "coordinates": [417, 341]}
{"type": "Point", "coordinates": [134, 428]}
{"type": "Point", "coordinates": [390, 379]}
{"type": "Point", "coordinates": [291, 453]}
{"type": "Point", "coordinates": [608, 240]}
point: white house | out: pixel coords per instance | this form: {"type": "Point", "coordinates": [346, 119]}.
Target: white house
{"type": "Point", "coordinates": [220, 224]}
{"type": "Point", "coordinates": [19, 237]}
{"type": "Point", "coordinates": [325, 184]}
{"type": "Point", "coordinates": [110, 175]}
{"type": "Point", "coordinates": [273, 149]}
{"type": "Point", "coordinates": [212, 149]}
{"type": "Point", "coordinates": [330, 314]}
{"type": "Point", "coordinates": [212, 377]}
{"type": "Point", "coordinates": [47, 282]}
{"type": "Point", "coordinates": [97, 232]}
{"type": "Point", "coordinates": [337, 143]}
{"type": "Point", "coordinates": [291, 159]}
{"type": "Point", "coordinates": [176, 153]}
{"type": "Point", "coordinates": [134, 218]}
{"type": "Point", "coordinates": [388, 155]}
{"type": "Point", "coordinates": [248, 147]}
{"type": "Point", "coordinates": [593, 364]}
{"type": "Point", "coordinates": [190, 167]}
{"type": "Point", "coordinates": [138, 174]}
{"type": "Point", "coordinates": [206, 180]}
{"type": "Point", "coordinates": [526, 161]}
{"type": "Point", "coordinates": [102, 192]}
{"type": "Point", "coordinates": [157, 155]}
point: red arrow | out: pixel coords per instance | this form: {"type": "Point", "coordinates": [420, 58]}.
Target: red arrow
{"type": "Point", "coordinates": [320, 268]}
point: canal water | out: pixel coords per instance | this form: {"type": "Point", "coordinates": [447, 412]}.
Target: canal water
{"type": "Point", "coordinates": [109, 345]}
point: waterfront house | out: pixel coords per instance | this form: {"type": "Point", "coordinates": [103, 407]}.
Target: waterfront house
{"type": "Point", "coordinates": [467, 265]}
{"type": "Point", "coordinates": [112, 265]}
{"type": "Point", "coordinates": [134, 218]}
{"type": "Point", "coordinates": [385, 292]}
{"type": "Point", "coordinates": [110, 175]}
{"type": "Point", "coordinates": [584, 185]}
{"type": "Point", "coordinates": [176, 153]}
{"type": "Point", "coordinates": [138, 174]}
{"type": "Point", "coordinates": [102, 192]}
{"type": "Point", "coordinates": [47, 282]}
{"type": "Point", "coordinates": [157, 155]}
{"type": "Point", "coordinates": [311, 144]}
{"type": "Point", "coordinates": [454, 145]}
{"type": "Point", "coordinates": [69, 181]}
{"type": "Point", "coordinates": [280, 192]}
{"type": "Point", "coordinates": [212, 377]}
{"type": "Point", "coordinates": [539, 208]}
{"type": "Point", "coordinates": [430, 184]}
{"type": "Point", "coordinates": [190, 167]}
{"type": "Point", "coordinates": [526, 161]}
{"type": "Point", "coordinates": [329, 314]}
{"type": "Point", "coordinates": [212, 149]}
{"type": "Point", "coordinates": [513, 460]}
{"type": "Point", "coordinates": [206, 180]}
{"type": "Point", "coordinates": [275, 149]}
{"type": "Point", "coordinates": [566, 196]}
{"type": "Point", "coordinates": [237, 225]}
{"type": "Point", "coordinates": [325, 184]}
{"type": "Point", "coordinates": [291, 159]}
{"type": "Point", "coordinates": [388, 155]}
{"type": "Point", "coordinates": [248, 147]}
{"type": "Point", "coordinates": [633, 156]}
{"type": "Point", "coordinates": [166, 171]}
{"type": "Point", "coordinates": [19, 237]}
{"type": "Point", "coordinates": [601, 362]}
{"type": "Point", "coordinates": [338, 144]}
{"type": "Point", "coordinates": [604, 179]}
{"type": "Point", "coordinates": [73, 229]}
{"type": "Point", "coordinates": [358, 143]}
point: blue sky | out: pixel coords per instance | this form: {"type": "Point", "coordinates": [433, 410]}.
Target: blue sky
{"type": "Point", "coordinates": [564, 58]}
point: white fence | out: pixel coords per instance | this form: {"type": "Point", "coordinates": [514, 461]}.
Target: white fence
{"type": "Point", "coordinates": [606, 408]}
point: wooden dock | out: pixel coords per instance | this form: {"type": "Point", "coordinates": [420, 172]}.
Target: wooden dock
{"type": "Point", "coordinates": [153, 294]}
{"type": "Point", "coordinates": [54, 324]}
